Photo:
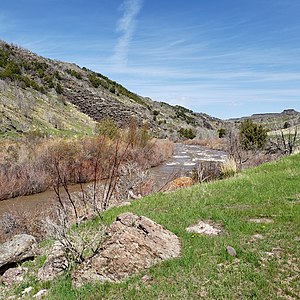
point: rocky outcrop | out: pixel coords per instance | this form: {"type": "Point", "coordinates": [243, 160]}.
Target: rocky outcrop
{"type": "Point", "coordinates": [134, 243]}
{"type": "Point", "coordinates": [56, 263]}
{"type": "Point", "coordinates": [20, 248]}
{"type": "Point", "coordinates": [97, 105]}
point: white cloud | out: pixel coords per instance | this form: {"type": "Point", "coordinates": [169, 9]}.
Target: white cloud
{"type": "Point", "coordinates": [126, 25]}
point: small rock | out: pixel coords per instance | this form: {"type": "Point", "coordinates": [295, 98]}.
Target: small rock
{"type": "Point", "coordinates": [231, 251]}
{"type": "Point", "coordinates": [14, 275]}
{"type": "Point", "coordinates": [40, 294]}
{"type": "Point", "coordinates": [146, 278]}
{"type": "Point", "coordinates": [27, 290]}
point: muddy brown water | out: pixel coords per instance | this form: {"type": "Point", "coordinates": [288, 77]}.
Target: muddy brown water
{"type": "Point", "coordinates": [184, 159]}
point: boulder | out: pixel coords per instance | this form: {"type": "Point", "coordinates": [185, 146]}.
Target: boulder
{"type": "Point", "coordinates": [134, 243]}
{"type": "Point", "coordinates": [13, 275]}
{"type": "Point", "coordinates": [55, 264]}
{"type": "Point", "coordinates": [20, 248]}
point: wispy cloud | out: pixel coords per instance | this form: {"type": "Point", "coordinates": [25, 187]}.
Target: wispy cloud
{"type": "Point", "coordinates": [126, 25]}
{"type": "Point", "coordinates": [6, 24]}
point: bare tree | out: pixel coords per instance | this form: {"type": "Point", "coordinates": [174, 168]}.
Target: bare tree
{"type": "Point", "coordinates": [285, 141]}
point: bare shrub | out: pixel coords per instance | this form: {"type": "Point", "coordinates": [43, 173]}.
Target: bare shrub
{"type": "Point", "coordinates": [134, 182]}
{"type": "Point", "coordinates": [81, 242]}
{"type": "Point", "coordinates": [160, 151]}
{"type": "Point", "coordinates": [206, 171]}
{"type": "Point", "coordinates": [27, 166]}
{"type": "Point", "coordinates": [16, 222]}
{"type": "Point", "coordinates": [285, 141]}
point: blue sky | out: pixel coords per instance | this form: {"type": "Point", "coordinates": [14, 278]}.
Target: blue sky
{"type": "Point", "coordinates": [228, 58]}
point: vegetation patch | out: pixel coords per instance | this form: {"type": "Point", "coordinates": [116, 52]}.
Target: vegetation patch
{"type": "Point", "coordinates": [263, 268]}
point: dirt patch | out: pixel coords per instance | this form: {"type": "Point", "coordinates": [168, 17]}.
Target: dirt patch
{"type": "Point", "coordinates": [261, 220]}
{"type": "Point", "coordinates": [205, 228]}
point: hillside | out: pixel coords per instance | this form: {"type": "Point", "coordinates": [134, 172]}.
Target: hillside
{"type": "Point", "coordinates": [52, 97]}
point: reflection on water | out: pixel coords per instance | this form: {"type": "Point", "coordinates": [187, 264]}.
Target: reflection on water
{"type": "Point", "coordinates": [181, 163]}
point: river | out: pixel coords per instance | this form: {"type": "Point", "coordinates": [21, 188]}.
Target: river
{"type": "Point", "coordinates": [184, 159]}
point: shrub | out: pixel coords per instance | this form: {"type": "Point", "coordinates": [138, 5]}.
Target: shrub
{"type": "Point", "coordinates": [187, 133]}
{"type": "Point", "coordinates": [206, 171]}
{"type": "Point", "coordinates": [95, 81]}
{"type": "Point", "coordinates": [59, 89]}
{"type": "Point", "coordinates": [252, 136]}
{"type": "Point", "coordinates": [74, 73]}
{"type": "Point", "coordinates": [109, 128]}
{"type": "Point", "coordinates": [221, 132]}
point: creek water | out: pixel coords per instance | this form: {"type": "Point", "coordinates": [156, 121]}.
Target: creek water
{"type": "Point", "coordinates": [183, 160]}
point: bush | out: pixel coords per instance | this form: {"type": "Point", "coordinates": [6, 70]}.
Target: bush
{"type": "Point", "coordinates": [109, 128]}
{"type": "Point", "coordinates": [59, 89]}
{"type": "Point", "coordinates": [221, 132]}
{"type": "Point", "coordinates": [252, 136]}
{"type": "Point", "coordinates": [74, 73]}
{"type": "Point", "coordinates": [95, 81]}
{"type": "Point", "coordinates": [11, 71]}
{"type": "Point", "coordinates": [187, 133]}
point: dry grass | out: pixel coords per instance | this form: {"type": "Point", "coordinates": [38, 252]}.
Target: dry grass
{"type": "Point", "coordinates": [228, 168]}
{"type": "Point", "coordinates": [27, 167]}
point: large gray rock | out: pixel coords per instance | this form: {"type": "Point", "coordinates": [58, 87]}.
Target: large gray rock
{"type": "Point", "coordinates": [13, 275]}
{"type": "Point", "coordinates": [21, 247]}
{"type": "Point", "coordinates": [134, 243]}
{"type": "Point", "coordinates": [55, 264]}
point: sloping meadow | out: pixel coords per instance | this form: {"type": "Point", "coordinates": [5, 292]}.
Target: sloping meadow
{"type": "Point", "coordinates": [258, 212]}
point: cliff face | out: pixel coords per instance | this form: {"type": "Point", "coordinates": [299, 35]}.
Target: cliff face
{"type": "Point", "coordinates": [53, 97]}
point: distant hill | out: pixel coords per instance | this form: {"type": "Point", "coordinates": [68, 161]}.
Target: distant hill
{"type": "Point", "coordinates": [40, 95]}
{"type": "Point", "coordinates": [272, 121]}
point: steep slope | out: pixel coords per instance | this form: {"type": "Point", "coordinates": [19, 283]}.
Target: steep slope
{"type": "Point", "coordinates": [52, 96]}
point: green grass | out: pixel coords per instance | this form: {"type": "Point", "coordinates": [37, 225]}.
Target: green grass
{"type": "Point", "coordinates": [265, 268]}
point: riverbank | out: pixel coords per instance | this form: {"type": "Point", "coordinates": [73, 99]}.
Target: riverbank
{"type": "Point", "coordinates": [183, 160]}
{"type": "Point", "coordinates": [259, 214]}
{"type": "Point", "coordinates": [31, 166]}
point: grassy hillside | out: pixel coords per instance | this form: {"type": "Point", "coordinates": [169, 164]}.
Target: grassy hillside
{"type": "Point", "coordinates": [26, 79]}
{"type": "Point", "coordinates": [267, 265]}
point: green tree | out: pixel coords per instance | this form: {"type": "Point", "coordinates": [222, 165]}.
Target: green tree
{"type": "Point", "coordinates": [221, 132]}
{"type": "Point", "coordinates": [252, 136]}
{"type": "Point", "coordinates": [187, 133]}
